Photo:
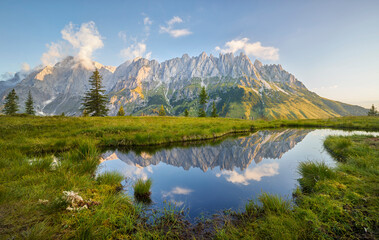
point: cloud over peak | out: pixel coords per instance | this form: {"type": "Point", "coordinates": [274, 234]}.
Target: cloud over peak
{"type": "Point", "coordinates": [78, 41]}
{"type": "Point", "coordinates": [172, 31]}
{"type": "Point", "coordinates": [250, 48]}
{"type": "Point", "coordinates": [137, 49]}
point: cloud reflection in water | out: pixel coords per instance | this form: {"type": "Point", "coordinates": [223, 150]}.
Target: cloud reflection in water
{"type": "Point", "coordinates": [251, 173]}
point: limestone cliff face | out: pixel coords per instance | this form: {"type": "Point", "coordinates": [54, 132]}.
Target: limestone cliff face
{"type": "Point", "coordinates": [230, 154]}
{"type": "Point", "coordinates": [238, 87]}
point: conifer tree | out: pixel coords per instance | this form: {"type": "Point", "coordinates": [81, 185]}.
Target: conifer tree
{"type": "Point", "coordinates": [186, 113]}
{"type": "Point", "coordinates": [203, 99]}
{"type": "Point", "coordinates": [372, 111]}
{"type": "Point", "coordinates": [11, 106]}
{"type": "Point", "coordinates": [29, 108]}
{"type": "Point", "coordinates": [162, 112]}
{"type": "Point", "coordinates": [214, 110]}
{"type": "Point", "coordinates": [121, 112]}
{"type": "Point", "coordinates": [94, 100]}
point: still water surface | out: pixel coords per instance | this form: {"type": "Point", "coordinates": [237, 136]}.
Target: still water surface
{"type": "Point", "coordinates": [208, 178]}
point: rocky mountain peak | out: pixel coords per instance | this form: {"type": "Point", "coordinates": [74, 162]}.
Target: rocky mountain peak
{"type": "Point", "coordinates": [185, 57]}
{"type": "Point", "coordinates": [203, 55]}
{"type": "Point", "coordinates": [258, 65]}
{"type": "Point", "coordinates": [69, 61]}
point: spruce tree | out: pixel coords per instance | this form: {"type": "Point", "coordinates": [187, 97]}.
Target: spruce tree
{"type": "Point", "coordinates": [29, 108]}
{"type": "Point", "coordinates": [372, 111]}
{"type": "Point", "coordinates": [95, 102]}
{"type": "Point", "coordinates": [121, 112]}
{"type": "Point", "coordinates": [203, 99]}
{"type": "Point", "coordinates": [11, 106]}
{"type": "Point", "coordinates": [214, 110]}
{"type": "Point", "coordinates": [162, 112]}
{"type": "Point", "coordinates": [186, 113]}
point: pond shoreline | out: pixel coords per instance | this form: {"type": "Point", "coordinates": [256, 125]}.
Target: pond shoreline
{"type": "Point", "coordinates": [30, 194]}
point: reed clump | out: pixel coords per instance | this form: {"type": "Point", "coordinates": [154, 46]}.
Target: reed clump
{"type": "Point", "coordinates": [142, 190]}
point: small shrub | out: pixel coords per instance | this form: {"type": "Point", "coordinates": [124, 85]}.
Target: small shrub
{"type": "Point", "coordinates": [312, 172]}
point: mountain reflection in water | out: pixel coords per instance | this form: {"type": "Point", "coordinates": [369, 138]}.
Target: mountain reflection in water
{"type": "Point", "coordinates": [222, 174]}
{"type": "Point", "coordinates": [228, 155]}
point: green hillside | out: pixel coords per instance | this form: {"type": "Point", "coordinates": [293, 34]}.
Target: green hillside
{"type": "Point", "coordinates": [244, 98]}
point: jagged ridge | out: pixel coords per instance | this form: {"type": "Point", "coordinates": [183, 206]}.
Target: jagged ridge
{"type": "Point", "coordinates": [237, 86]}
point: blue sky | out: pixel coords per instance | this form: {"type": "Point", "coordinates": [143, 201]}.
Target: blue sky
{"type": "Point", "coordinates": [331, 46]}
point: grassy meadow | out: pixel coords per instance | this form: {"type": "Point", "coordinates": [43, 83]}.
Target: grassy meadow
{"type": "Point", "coordinates": [48, 189]}
{"type": "Point", "coordinates": [52, 134]}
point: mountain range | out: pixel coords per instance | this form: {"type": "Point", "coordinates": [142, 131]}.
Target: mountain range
{"type": "Point", "coordinates": [239, 88]}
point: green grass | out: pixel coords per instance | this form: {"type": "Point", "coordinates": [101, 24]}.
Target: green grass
{"type": "Point", "coordinates": [142, 189]}
{"type": "Point", "coordinates": [312, 173]}
{"type": "Point", "coordinates": [110, 178]}
{"type": "Point", "coordinates": [332, 203]}
{"type": "Point", "coordinates": [51, 134]}
{"type": "Point", "coordinates": [40, 157]}
{"type": "Point", "coordinates": [274, 204]}
{"type": "Point", "coordinates": [338, 147]}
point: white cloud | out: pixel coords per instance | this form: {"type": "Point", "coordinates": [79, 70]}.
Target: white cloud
{"type": "Point", "coordinates": [54, 54]}
{"type": "Point", "coordinates": [174, 20]}
{"type": "Point", "coordinates": [256, 173]}
{"type": "Point", "coordinates": [253, 49]}
{"type": "Point", "coordinates": [174, 32]}
{"type": "Point", "coordinates": [86, 40]}
{"type": "Point", "coordinates": [147, 21]}
{"type": "Point", "coordinates": [177, 32]}
{"type": "Point", "coordinates": [138, 49]}
{"type": "Point", "coordinates": [25, 67]}
{"type": "Point", "coordinates": [79, 41]}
